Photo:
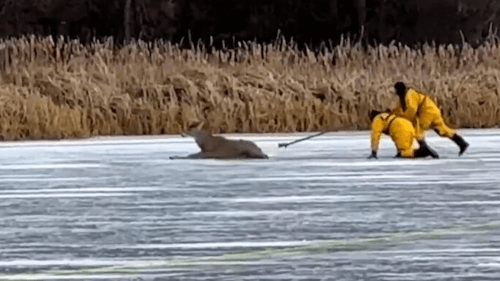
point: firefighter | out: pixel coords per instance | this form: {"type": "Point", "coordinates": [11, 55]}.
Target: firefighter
{"type": "Point", "coordinates": [424, 115]}
{"type": "Point", "coordinates": [401, 132]}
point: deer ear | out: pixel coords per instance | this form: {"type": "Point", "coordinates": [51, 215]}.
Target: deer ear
{"type": "Point", "coordinates": [195, 126]}
{"type": "Point", "coordinates": [200, 126]}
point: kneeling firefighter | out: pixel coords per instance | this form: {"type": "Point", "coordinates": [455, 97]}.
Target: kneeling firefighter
{"type": "Point", "coordinates": [402, 134]}
{"type": "Point", "coordinates": [424, 115]}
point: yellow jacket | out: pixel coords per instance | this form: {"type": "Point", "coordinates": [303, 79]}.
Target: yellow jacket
{"type": "Point", "coordinates": [417, 104]}
{"type": "Point", "coordinates": [400, 130]}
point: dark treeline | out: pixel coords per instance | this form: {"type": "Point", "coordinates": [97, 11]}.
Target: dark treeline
{"type": "Point", "coordinates": [307, 21]}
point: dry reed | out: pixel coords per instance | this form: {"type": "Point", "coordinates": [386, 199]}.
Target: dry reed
{"type": "Point", "coordinates": [51, 90]}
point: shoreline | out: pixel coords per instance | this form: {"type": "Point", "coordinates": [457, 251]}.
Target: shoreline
{"type": "Point", "coordinates": [175, 138]}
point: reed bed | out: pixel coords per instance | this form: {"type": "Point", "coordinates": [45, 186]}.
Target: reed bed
{"type": "Point", "coordinates": [56, 90]}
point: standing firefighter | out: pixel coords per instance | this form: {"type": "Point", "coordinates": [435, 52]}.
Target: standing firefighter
{"type": "Point", "coordinates": [402, 134]}
{"type": "Point", "coordinates": [424, 115]}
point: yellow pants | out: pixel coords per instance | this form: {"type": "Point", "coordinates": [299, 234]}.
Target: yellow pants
{"type": "Point", "coordinates": [403, 134]}
{"type": "Point", "coordinates": [434, 121]}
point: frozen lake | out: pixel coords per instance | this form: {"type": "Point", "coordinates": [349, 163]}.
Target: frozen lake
{"type": "Point", "coordinates": [119, 209]}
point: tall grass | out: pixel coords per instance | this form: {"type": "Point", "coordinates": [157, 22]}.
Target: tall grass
{"type": "Point", "coordinates": [54, 90]}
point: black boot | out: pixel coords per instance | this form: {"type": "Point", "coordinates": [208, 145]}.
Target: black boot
{"type": "Point", "coordinates": [424, 150]}
{"type": "Point", "coordinates": [461, 143]}
{"type": "Point", "coordinates": [421, 152]}
{"type": "Point", "coordinates": [422, 143]}
{"type": "Point", "coordinates": [432, 152]}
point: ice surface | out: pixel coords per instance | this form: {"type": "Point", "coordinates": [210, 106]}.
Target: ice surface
{"type": "Point", "coordinates": [118, 208]}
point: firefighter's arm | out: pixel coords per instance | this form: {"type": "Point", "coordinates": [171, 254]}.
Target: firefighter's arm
{"type": "Point", "coordinates": [377, 129]}
{"type": "Point", "coordinates": [412, 101]}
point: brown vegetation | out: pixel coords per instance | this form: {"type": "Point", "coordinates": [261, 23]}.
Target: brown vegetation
{"type": "Point", "coordinates": [53, 91]}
